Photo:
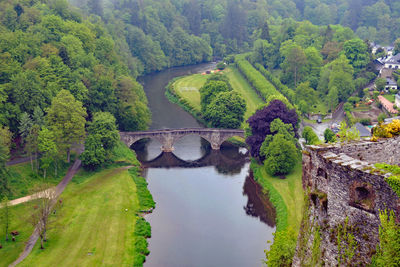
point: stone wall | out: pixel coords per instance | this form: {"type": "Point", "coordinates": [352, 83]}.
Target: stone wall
{"type": "Point", "coordinates": [342, 185]}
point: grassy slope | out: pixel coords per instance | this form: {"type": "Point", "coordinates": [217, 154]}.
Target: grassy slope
{"type": "Point", "coordinates": [290, 191]}
{"type": "Point", "coordinates": [92, 220]}
{"type": "Point", "coordinates": [22, 180]}
{"type": "Point", "coordinates": [19, 222]}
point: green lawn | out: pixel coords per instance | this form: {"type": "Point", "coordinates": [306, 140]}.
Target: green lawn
{"type": "Point", "coordinates": [92, 227]}
{"type": "Point", "coordinates": [240, 85]}
{"type": "Point", "coordinates": [290, 190]}
{"type": "Point", "coordinates": [188, 87]}
{"type": "Point", "coordinates": [319, 108]}
{"type": "Point", "coordinates": [19, 221]}
{"type": "Point", "coordinates": [391, 98]}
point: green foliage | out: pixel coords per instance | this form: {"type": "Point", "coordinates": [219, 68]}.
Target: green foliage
{"type": "Point", "coordinates": [329, 136]}
{"type": "Point", "coordinates": [348, 134]}
{"type": "Point", "coordinates": [95, 154]}
{"type": "Point", "coordinates": [210, 90]}
{"type": "Point", "coordinates": [283, 89]}
{"type": "Point", "coordinates": [47, 147]}
{"type": "Point", "coordinates": [310, 136]}
{"type": "Point", "coordinates": [104, 124]}
{"type": "Point", "coordinates": [380, 84]}
{"type": "Point", "coordinates": [382, 117]}
{"type": "Point", "coordinates": [274, 196]}
{"type": "Point", "coordinates": [388, 249]}
{"type": "Point", "coordinates": [66, 118]}
{"type": "Point", "coordinates": [393, 181]}
{"type": "Point", "coordinates": [356, 51]}
{"type": "Point", "coordinates": [346, 243]}
{"type": "Point", "coordinates": [256, 79]}
{"type": "Point", "coordinates": [281, 155]}
{"type": "Point", "coordinates": [226, 110]}
{"type": "Point", "coordinates": [146, 201]}
{"type": "Point", "coordinates": [221, 65]}
{"type": "Point", "coordinates": [282, 250]}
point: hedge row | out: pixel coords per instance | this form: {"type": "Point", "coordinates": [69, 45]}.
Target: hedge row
{"type": "Point", "coordinates": [256, 79]}
{"type": "Point", "coordinates": [286, 91]}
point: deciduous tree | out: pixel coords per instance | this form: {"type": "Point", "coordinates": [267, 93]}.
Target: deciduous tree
{"type": "Point", "coordinates": [66, 118]}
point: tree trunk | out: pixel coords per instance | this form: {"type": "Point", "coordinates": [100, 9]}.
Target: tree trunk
{"type": "Point", "coordinates": [37, 163]}
{"type": "Point", "coordinates": [30, 155]}
{"type": "Point", "coordinates": [68, 155]}
{"type": "Point", "coordinates": [44, 173]}
{"type": "Point", "coordinates": [55, 167]}
{"type": "Point", "coordinates": [41, 242]}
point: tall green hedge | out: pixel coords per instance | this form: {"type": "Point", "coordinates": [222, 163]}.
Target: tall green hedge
{"type": "Point", "coordinates": [256, 79]}
{"type": "Point", "coordinates": [283, 89]}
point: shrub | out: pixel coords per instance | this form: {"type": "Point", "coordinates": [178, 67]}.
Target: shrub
{"type": "Point", "coordinates": [221, 65]}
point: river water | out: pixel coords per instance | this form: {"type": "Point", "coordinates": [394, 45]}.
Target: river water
{"type": "Point", "coordinates": [209, 211]}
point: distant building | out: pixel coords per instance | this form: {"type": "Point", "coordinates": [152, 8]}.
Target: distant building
{"type": "Point", "coordinates": [364, 131]}
{"type": "Point", "coordinates": [397, 100]}
{"type": "Point", "coordinates": [390, 84]}
{"type": "Point", "coordinates": [392, 62]}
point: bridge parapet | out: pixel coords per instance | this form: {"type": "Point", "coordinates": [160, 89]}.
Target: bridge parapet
{"type": "Point", "coordinates": [168, 137]}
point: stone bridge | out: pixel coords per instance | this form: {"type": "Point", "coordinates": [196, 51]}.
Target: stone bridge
{"type": "Point", "coordinates": [168, 137]}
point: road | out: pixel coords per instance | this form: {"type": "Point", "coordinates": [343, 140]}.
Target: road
{"type": "Point", "coordinates": [319, 128]}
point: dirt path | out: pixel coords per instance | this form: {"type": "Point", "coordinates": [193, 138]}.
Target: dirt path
{"type": "Point", "coordinates": [58, 190]}
{"type": "Point", "coordinates": [37, 195]}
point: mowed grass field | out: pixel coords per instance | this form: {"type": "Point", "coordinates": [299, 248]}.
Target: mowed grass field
{"type": "Point", "coordinates": [19, 221]}
{"type": "Point", "coordinates": [92, 227]}
{"type": "Point", "coordinates": [188, 87]}
{"type": "Point", "coordinates": [241, 86]}
{"type": "Point", "coordinates": [291, 191]}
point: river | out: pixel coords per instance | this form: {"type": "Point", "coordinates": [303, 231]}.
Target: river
{"type": "Point", "coordinates": [209, 211]}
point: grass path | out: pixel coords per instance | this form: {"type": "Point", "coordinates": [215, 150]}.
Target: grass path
{"type": "Point", "coordinates": [291, 191]}
{"type": "Point", "coordinates": [92, 228]}
{"type": "Point", "coordinates": [240, 85]}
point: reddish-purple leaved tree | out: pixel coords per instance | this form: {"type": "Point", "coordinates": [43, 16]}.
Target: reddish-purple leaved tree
{"type": "Point", "coordinates": [260, 124]}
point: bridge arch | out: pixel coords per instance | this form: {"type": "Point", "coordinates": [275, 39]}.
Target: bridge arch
{"type": "Point", "coordinates": [168, 137]}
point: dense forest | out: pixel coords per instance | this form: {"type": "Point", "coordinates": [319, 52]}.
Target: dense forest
{"type": "Point", "coordinates": [154, 35]}
{"type": "Point", "coordinates": [45, 47]}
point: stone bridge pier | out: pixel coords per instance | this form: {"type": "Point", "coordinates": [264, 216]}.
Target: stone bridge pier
{"type": "Point", "coordinates": [167, 138]}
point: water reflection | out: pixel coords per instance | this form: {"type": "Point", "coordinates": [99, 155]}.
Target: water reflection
{"type": "Point", "coordinates": [226, 161]}
{"type": "Point", "coordinates": [258, 204]}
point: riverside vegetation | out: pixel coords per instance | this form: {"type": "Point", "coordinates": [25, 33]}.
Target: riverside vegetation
{"type": "Point", "coordinates": [66, 69]}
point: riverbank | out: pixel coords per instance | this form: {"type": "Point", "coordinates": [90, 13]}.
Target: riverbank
{"type": "Point", "coordinates": [98, 221]}
{"type": "Point", "coordinates": [285, 194]}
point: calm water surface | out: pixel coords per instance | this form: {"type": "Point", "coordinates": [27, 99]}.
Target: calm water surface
{"type": "Point", "coordinates": [209, 210]}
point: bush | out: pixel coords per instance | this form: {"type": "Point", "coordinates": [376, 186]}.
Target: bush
{"type": "Point", "coordinates": [365, 121]}
{"type": "Point", "coordinates": [221, 65]}
{"type": "Point", "coordinates": [310, 136]}
{"type": "Point", "coordinates": [281, 252]}
{"type": "Point", "coordinates": [329, 136]}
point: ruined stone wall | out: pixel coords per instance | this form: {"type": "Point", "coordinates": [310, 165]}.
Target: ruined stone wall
{"type": "Point", "coordinates": [342, 185]}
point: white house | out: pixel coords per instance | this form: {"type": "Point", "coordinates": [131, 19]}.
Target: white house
{"type": "Point", "coordinates": [390, 84]}
{"type": "Point", "coordinates": [392, 62]}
